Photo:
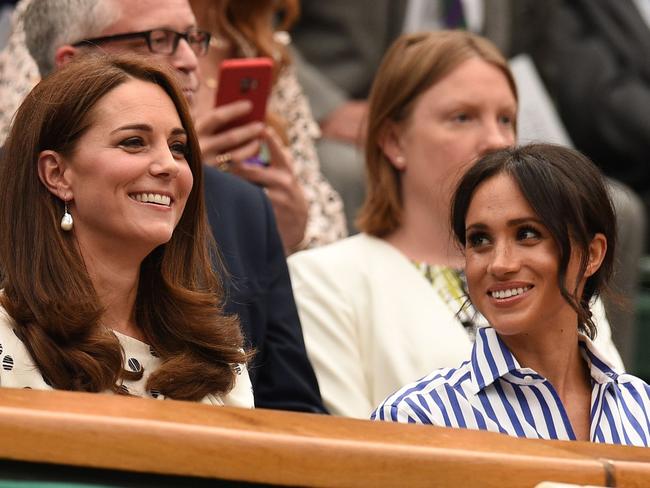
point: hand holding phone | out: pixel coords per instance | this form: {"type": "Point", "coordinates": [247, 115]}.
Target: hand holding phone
{"type": "Point", "coordinates": [245, 79]}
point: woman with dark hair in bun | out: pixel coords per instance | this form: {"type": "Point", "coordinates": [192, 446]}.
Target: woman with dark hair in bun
{"type": "Point", "coordinates": [538, 232]}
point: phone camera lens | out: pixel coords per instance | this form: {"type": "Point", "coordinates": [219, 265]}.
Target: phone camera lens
{"type": "Point", "coordinates": [247, 84]}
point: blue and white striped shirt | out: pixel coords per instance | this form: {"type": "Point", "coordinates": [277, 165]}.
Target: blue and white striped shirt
{"type": "Point", "coordinates": [493, 392]}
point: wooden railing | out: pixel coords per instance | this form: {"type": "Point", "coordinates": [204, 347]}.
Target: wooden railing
{"type": "Point", "coordinates": [262, 446]}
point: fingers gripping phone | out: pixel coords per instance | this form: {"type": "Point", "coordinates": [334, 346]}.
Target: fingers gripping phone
{"type": "Point", "coordinates": [245, 79]}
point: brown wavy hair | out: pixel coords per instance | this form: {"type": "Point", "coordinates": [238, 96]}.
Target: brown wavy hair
{"type": "Point", "coordinates": [47, 289]}
{"type": "Point", "coordinates": [413, 64]}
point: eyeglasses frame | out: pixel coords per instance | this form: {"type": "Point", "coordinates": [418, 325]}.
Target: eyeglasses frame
{"type": "Point", "coordinates": [147, 37]}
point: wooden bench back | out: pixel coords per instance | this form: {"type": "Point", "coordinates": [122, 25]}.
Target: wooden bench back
{"type": "Point", "coordinates": [263, 446]}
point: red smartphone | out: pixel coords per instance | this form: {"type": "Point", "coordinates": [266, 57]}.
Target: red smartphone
{"type": "Point", "coordinates": [245, 79]}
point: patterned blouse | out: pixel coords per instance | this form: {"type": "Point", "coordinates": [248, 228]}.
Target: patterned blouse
{"type": "Point", "coordinates": [18, 72]}
{"type": "Point", "coordinates": [20, 371]}
{"type": "Point", "coordinates": [326, 220]}
{"type": "Point", "coordinates": [450, 285]}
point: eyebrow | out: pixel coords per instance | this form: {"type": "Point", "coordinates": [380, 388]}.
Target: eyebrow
{"type": "Point", "coordinates": [147, 128]}
{"type": "Point", "coordinates": [173, 28]}
{"type": "Point", "coordinates": [467, 101]}
{"type": "Point", "coordinates": [509, 223]}
{"type": "Point", "coordinates": [142, 127]}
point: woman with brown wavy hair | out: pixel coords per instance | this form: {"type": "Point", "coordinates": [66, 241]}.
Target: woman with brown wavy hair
{"type": "Point", "coordinates": [308, 211]}
{"type": "Point", "coordinates": [107, 278]}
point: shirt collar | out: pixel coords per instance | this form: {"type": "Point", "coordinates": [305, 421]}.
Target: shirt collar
{"type": "Point", "coordinates": [491, 359]}
{"type": "Point", "coordinates": [600, 368]}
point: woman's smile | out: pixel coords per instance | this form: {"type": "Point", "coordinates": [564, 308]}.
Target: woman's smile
{"type": "Point", "coordinates": [509, 294]}
{"type": "Point", "coordinates": [158, 199]}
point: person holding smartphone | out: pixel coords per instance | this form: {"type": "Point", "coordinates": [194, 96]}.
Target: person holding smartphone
{"type": "Point", "coordinates": [308, 211]}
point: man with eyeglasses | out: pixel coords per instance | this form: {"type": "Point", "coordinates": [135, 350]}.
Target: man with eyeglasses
{"type": "Point", "coordinates": [148, 26]}
{"type": "Point", "coordinates": [258, 288]}
{"type": "Point", "coordinates": [159, 41]}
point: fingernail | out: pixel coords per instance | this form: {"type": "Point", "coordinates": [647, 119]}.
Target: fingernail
{"type": "Point", "coordinates": [258, 126]}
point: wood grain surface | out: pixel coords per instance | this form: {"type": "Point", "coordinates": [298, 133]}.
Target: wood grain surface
{"type": "Point", "coordinates": [181, 438]}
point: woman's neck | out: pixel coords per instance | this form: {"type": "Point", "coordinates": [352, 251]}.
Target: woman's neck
{"type": "Point", "coordinates": [554, 354]}
{"type": "Point", "coordinates": [115, 278]}
{"type": "Point", "coordinates": [425, 236]}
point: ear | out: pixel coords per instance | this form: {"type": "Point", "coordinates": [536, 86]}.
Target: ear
{"type": "Point", "coordinates": [390, 143]}
{"type": "Point", "coordinates": [52, 173]}
{"type": "Point", "coordinates": [64, 54]}
{"type": "Point", "coordinates": [597, 251]}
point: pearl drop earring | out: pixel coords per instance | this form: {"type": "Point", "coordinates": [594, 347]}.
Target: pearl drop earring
{"type": "Point", "coordinates": [66, 221]}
